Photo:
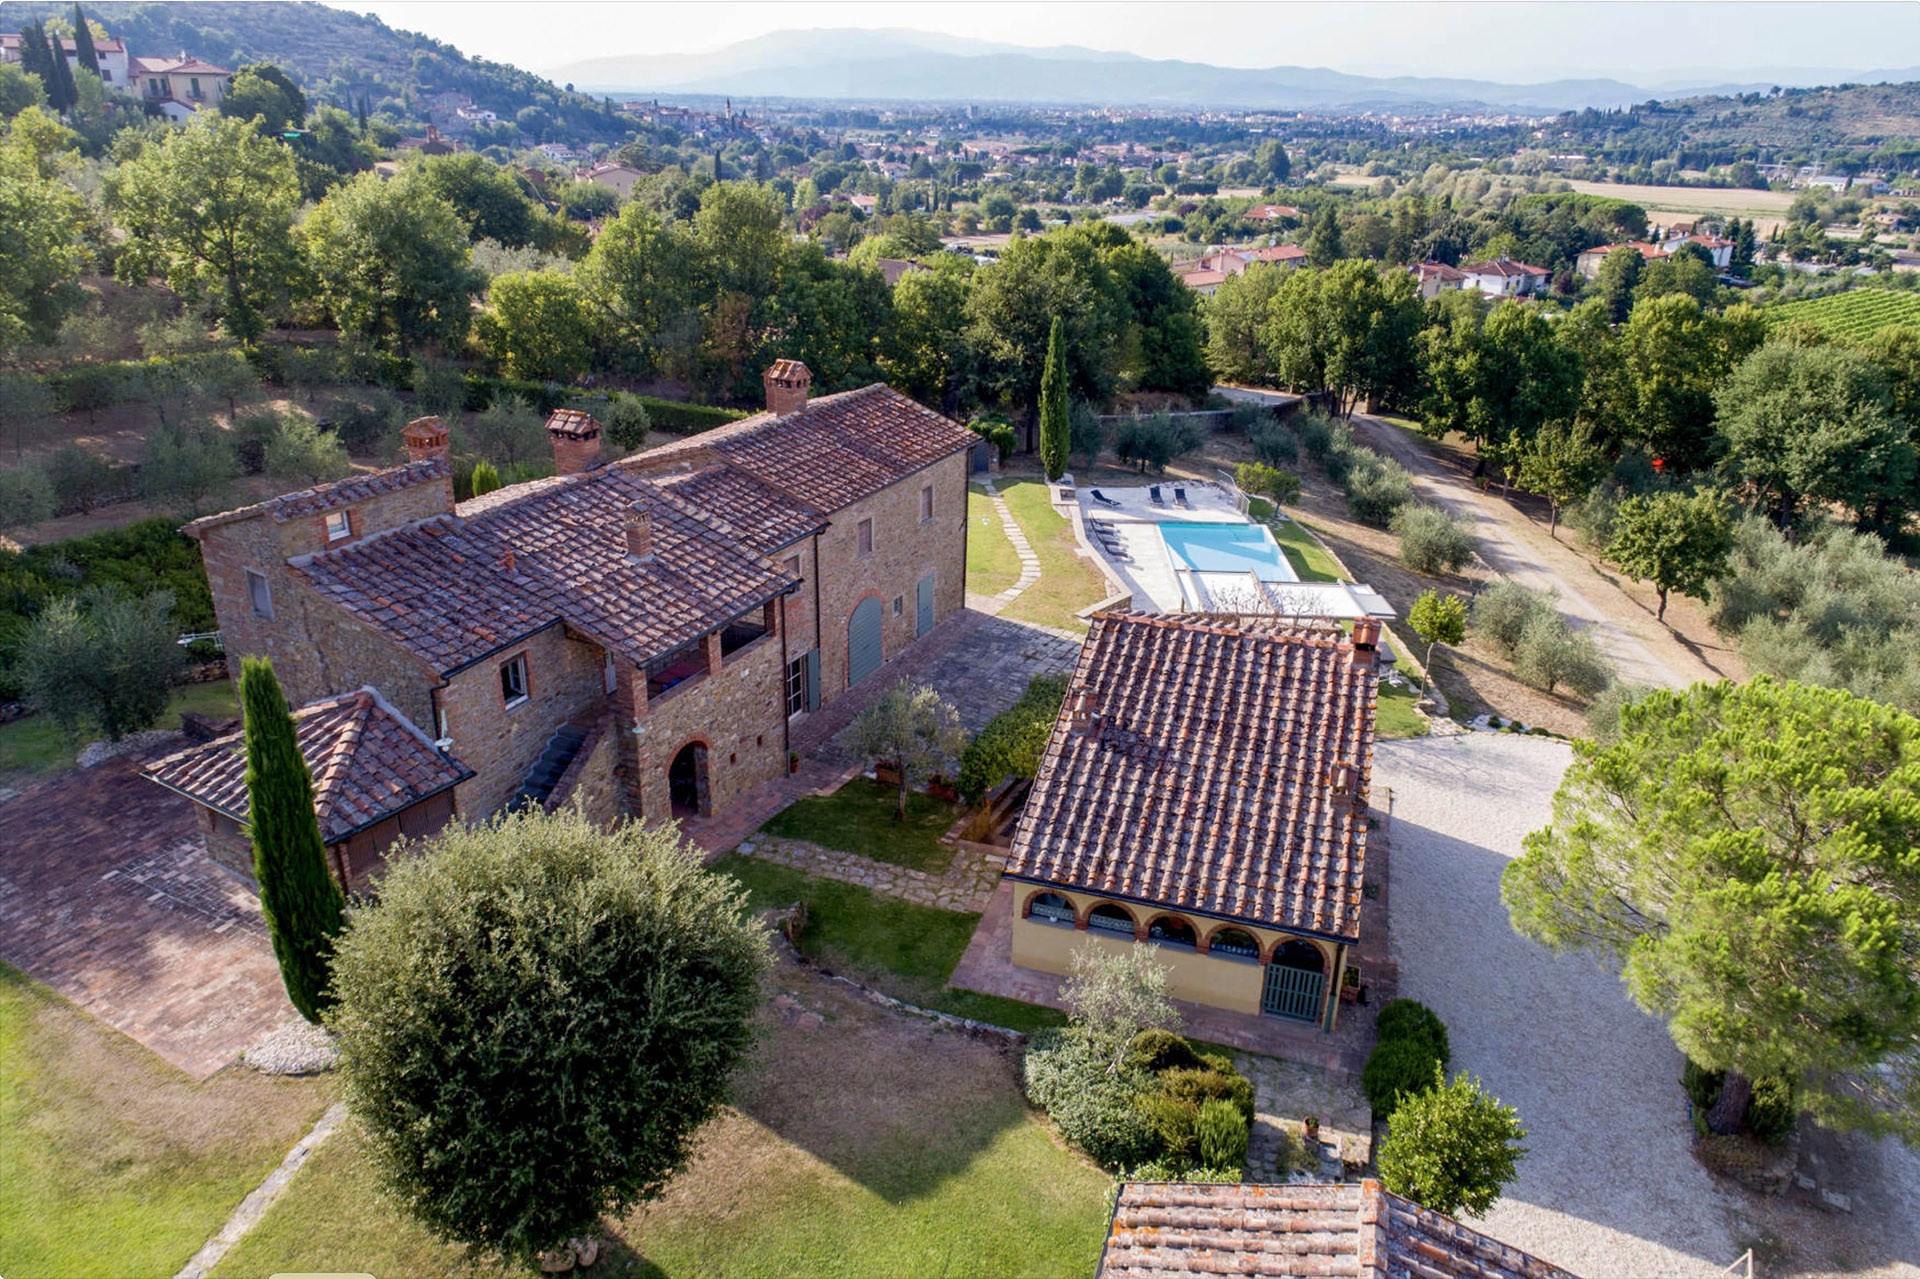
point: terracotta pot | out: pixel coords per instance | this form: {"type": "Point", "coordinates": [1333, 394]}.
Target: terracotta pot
{"type": "Point", "coordinates": [944, 792]}
{"type": "Point", "coordinates": [1313, 1130]}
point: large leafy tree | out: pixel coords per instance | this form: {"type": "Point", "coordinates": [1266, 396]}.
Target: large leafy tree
{"type": "Point", "coordinates": [486, 195]}
{"type": "Point", "coordinates": [1235, 314]}
{"type": "Point", "coordinates": [537, 326]}
{"type": "Point", "coordinates": [1816, 424]}
{"type": "Point", "coordinates": [209, 208]}
{"type": "Point", "coordinates": [298, 896]}
{"type": "Point", "coordinates": [1562, 464]}
{"type": "Point", "coordinates": [1347, 331]}
{"type": "Point", "coordinates": [830, 316]}
{"type": "Point", "coordinates": [924, 351]}
{"type": "Point", "coordinates": [1619, 276]}
{"type": "Point", "coordinates": [265, 93]}
{"type": "Point", "coordinates": [1677, 541]}
{"type": "Point", "coordinates": [1672, 355]}
{"type": "Point", "coordinates": [42, 231]}
{"type": "Point", "coordinates": [639, 279]}
{"type": "Point", "coordinates": [537, 1019]}
{"type": "Point", "coordinates": [1746, 853]}
{"type": "Point", "coordinates": [391, 262]}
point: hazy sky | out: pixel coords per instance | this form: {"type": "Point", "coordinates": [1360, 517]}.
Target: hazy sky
{"type": "Point", "coordinates": [1643, 42]}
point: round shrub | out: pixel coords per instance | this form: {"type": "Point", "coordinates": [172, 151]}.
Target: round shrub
{"type": "Point", "coordinates": [1502, 611]}
{"type": "Point", "coordinates": [1157, 1050]}
{"type": "Point", "coordinates": [1377, 488]}
{"type": "Point", "coordinates": [1411, 1019]}
{"type": "Point", "coordinates": [1274, 444]}
{"type": "Point", "coordinates": [1398, 1067]}
{"type": "Point", "coordinates": [1216, 1079]}
{"type": "Point", "coordinates": [627, 421]}
{"type": "Point", "coordinates": [1551, 655]}
{"type": "Point", "coordinates": [1431, 541]}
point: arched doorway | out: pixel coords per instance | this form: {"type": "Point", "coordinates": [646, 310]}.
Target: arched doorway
{"type": "Point", "coordinates": [687, 782]}
{"type": "Point", "coordinates": [1296, 981]}
{"type": "Point", "coordinates": [863, 641]}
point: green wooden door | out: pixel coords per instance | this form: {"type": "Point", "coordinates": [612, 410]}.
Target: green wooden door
{"type": "Point", "coordinates": [863, 641]}
{"type": "Point", "coordinates": [1293, 993]}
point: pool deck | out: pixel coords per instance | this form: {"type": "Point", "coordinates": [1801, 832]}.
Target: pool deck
{"type": "Point", "coordinates": [1149, 571]}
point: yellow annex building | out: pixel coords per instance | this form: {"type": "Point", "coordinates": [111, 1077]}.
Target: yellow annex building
{"type": "Point", "coordinates": [1205, 790]}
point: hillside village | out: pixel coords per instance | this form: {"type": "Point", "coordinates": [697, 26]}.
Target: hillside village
{"type": "Point", "coordinates": [647, 685]}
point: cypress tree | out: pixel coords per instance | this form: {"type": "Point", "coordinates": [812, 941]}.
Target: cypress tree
{"type": "Point", "coordinates": [35, 61]}
{"type": "Point", "coordinates": [1055, 433]}
{"type": "Point", "coordinates": [68, 96]}
{"type": "Point", "coordinates": [1323, 242]}
{"type": "Point", "coordinates": [297, 893]}
{"type": "Point", "coordinates": [84, 52]}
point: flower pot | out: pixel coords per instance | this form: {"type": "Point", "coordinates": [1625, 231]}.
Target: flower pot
{"type": "Point", "coordinates": [886, 775]}
{"type": "Point", "coordinates": [1313, 1131]}
{"type": "Point", "coordinates": [943, 791]}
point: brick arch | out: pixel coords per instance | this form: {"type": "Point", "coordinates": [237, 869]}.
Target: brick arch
{"type": "Point", "coordinates": [701, 782]}
{"type": "Point", "coordinates": [1103, 904]}
{"type": "Point", "coordinates": [1214, 935]}
{"type": "Point", "coordinates": [1281, 942]}
{"type": "Point", "coordinates": [1026, 906]}
{"type": "Point", "coordinates": [1189, 924]}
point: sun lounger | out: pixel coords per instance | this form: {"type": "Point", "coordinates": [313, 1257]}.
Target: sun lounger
{"type": "Point", "coordinates": [1102, 498]}
{"type": "Point", "coordinates": [1180, 498]}
{"type": "Point", "coordinates": [1154, 494]}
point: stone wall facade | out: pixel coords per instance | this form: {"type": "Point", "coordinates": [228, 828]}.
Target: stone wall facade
{"type": "Point", "coordinates": [500, 742]}
{"type": "Point", "coordinates": [737, 713]}
{"type": "Point", "coordinates": [592, 782]}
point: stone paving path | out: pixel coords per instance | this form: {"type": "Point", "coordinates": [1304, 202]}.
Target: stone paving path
{"type": "Point", "coordinates": [1284, 1093]}
{"type": "Point", "coordinates": [966, 887]}
{"type": "Point", "coordinates": [1029, 562]}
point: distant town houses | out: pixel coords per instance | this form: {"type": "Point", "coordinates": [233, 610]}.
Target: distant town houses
{"type": "Point", "coordinates": [1661, 246]}
{"type": "Point", "coordinates": [1436, 278]}
{"type": "Point", "coordinates": [1204, 275]}
{"type": "Point", "coordinates": [618, 178]}
{"type": "Point", "coordinates": [115, 63]}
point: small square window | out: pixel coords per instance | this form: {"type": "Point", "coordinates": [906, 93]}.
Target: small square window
{"type": "Point", "coordinates": [866, 537]}
{"type": "Point", "coordinates": [513, 681]}
{"type": "Point", "coordinates": [259, 594]}
{"type": "Point", "coordinates": [926, 503]}
{"type": "Point", "coordinates": [339, 525]}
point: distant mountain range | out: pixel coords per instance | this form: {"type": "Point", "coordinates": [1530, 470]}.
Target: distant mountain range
{"type": "Point", "coordinates": [915, 66]}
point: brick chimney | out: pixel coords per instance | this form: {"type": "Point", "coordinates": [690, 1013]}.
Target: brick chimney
{"type": "Point", "coordinates": [1366, 642]}
{"type": "Point", "coordinates": [576, 441]}
{"type": "Point", "coordinates": [787, 385]}
{"type": "Point", "coordinates": [639, 531]}
{"type": "Point", "coordinates": [426, 437]}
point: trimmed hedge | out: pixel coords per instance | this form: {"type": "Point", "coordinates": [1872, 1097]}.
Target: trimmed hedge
{"type": "Point", "coordinates": [1012, 742]}
{"type": "Point", "coordinates": [1413, 1041]}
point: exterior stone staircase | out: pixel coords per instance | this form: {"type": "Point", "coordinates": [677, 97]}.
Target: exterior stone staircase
{"type": "Point", "coordinates": [545, 773]}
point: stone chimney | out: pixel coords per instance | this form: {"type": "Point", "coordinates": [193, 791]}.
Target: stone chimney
{"type": "Point", "coordinates": [426, 437]}
{"type": "Point", "coordinates": [576, 441]}
{"type": "Point", "coordinates": [639, 531]}
{"type": "Point", "coordinates": [787, 385]}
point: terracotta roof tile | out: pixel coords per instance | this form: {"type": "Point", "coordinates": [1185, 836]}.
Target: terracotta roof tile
{"type": "Point", "coordinates": [765, 518]}
{"type": "Point", "coordinates": [573, 422]}
{"type": "Point", "coordinates": [455, 588]}
{"type": "Point", "coordinates": [830, 453]}
{"type": "Point", "coordinates": [1174, 1230]}
{"type": "Point", "coordinates": [327, 497]}
{"type": "Point", "coordinates": [1503, 267]}
{"type": "Point", "coordinates": [1210, 767]}
{"type": "Point", "coordinates": [367, 759]}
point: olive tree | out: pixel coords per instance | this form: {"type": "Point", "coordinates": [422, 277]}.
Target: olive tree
{"type": "Point", "coordinates": [101, 660]}
{"type": "Point", "coordinates": [915, 730]}
{"type": "Point", "coordinates": [535, 1019]}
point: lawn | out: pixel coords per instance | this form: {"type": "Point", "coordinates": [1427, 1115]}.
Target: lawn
{"type": "Point", "coordinates": [858, 818]}
{"type": "Point", "coordinates": [113, 1162]}
{"type": "Point", "coordinates": [1394, 715]}
{"type": "Point", "coordinates": [1309, 559]}
{"type": "Point", "coordinates": [908, 951]}
{"type": "Point", "coordinates": [35, 745]}
{"type": "Point", "coordinates": [1068, 581]}
{"type": "Point", "coordinates": [873, 1146]}
{"type": "Point", "coordinates": [992, 565]}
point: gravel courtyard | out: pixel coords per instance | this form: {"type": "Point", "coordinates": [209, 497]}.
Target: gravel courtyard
{"type": "Point", "coordinates": [1609, 1188]}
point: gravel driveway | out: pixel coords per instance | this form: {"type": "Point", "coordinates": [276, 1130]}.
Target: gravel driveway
{"type": "Point", "coordinates": [1608, 1188]}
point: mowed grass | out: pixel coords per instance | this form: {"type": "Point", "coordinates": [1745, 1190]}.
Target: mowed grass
{"type": "Point", "coordinates": [908, 951]}
{"type": "Point", "coordinates": [992, 565]}
{"type": "Point", "coordinates": [1309, 559]}
{"type": "Point", "coordinates": [1068, 582]}
{"type": "Point", "coordinates": [36, 745]}
{"type": "Point", "coordinates": [111, 1161]}
{"type": "Point", "coordinates": [1394, 715]}
{"type": "Point", "coordinates": [858, 818]}
{"type": "Point", "coordinates": [872, 1146]}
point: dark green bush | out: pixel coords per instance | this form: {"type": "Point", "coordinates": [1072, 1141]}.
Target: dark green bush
{"type": "Point", "coordinates": [1396, 1067]}
{"type": "Point", "coordinates": [1214, 1080]}
{"type": "Point", "coordinates": [1094, 1110]}
{"type": "Point", "coordinates": [1377, 487]}
{"type": "Point", "coordinates": [368, 424]}
{"type": "Point", "coordinates": [1274, 444]}
{"type": "Point", "coordinates": [685, 419]}
{"type": "Point", "coordinates": [1773, 1110]}
{"type": "Point", "coordinates": [1702, 1085]}
{"type": "Point", "coordinates": [1411, 1019]}
{"type": "Point", "coordinates": [82, 479]}
{"type": "Point", "coordinates": [1156, 1050]}
{"type": "Point", "coordinates": [1316, 434]}
{"type": "Point", "coordinates": [1502, 611]}
{"type": "Point", "coordinates": [1012, 742]}
{"type": "Point", "coordinates": [1431, 540]}
{"type": "Point", "coordinates": [627, 421]}
{"type": "Point", "coordinates": [1222, 1134]}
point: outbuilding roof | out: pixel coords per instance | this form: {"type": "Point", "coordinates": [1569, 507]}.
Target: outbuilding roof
{"type": "Point", "coordinates": [1211, 766]}
{"type": "Point", "coordinates": [369, 762]}
{"type": "Point", "coordinates": [1176, 1230]}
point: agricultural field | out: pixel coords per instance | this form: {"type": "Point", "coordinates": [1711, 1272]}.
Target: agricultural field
{"type": "Point", "coordinates": [1855, 314]}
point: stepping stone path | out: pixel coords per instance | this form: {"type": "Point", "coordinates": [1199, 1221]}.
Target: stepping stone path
{"type": "Point", "coordinates": [1029, 562]}
{"type": "Point", "coordinates": [965, 888]}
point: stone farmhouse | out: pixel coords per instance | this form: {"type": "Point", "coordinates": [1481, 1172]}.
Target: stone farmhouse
{"type": "Point", "coordinates": [638, 635]}
{"type": "Point", "coordinates": [1205, 789]}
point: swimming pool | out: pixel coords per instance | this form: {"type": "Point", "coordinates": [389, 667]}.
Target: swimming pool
{"type": "Point", "coordinates": [1227, 548]}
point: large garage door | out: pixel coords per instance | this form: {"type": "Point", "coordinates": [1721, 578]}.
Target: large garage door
{"type": "Point", "coordinates": [863, 641]}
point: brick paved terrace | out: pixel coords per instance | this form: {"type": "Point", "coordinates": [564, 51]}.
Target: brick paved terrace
{"type": "Point", "coordinates": [107, 896]}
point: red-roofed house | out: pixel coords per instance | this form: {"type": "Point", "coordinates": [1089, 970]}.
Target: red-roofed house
{"type": "Point", "coordinates": [1590, 260]}
{"type": "Point", "coordinates": [638, 634]}
{"type": "Point", "coordinates": [1273, 213]}
{"type": "Point", "coordinates": [110, 54]}
{"type": "Point", "coordinates": [1436, 278]}
{"type": "Point", "coordinates": [1505, 278]}
{"type": "Point", "coordinates": [177, 87]}
{"type": "Point", "coordinates": [1205, 789]}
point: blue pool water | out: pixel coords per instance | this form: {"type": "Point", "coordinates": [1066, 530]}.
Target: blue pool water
{"type": "Point", "coordinates": [1227, 548]}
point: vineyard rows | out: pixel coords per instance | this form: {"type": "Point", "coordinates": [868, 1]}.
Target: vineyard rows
{"type": "Point", "coordinates": [1858, 313]}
